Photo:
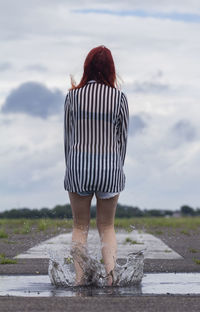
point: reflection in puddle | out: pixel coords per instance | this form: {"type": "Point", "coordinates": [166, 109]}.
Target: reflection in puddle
{"type": "Point", "coordinates": [154, 283]}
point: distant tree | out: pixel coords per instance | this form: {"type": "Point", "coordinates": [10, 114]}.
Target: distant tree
{"type": "Point", "coordinates": [46, 213]}
{"type": "Point", "coordinates": [197, 212]}
{"type": "Point", "coordinates": [122, 211]}
{"type": "Point", "coordinates": [128, 211]}
{"type": "Point", "coordinates": [187, 210]}
{"type": "Point", "coordinates": [62, 211]}
{"type": "Point", "coordinates": [168, 212]}
{"type": "Point", "coordinates": [155, 213]}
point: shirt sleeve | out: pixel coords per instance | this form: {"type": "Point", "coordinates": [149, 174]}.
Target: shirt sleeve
{"type": "Point", "coordinates": [123, 126]}
{"type": "Point", "coordinates": [67, 126]}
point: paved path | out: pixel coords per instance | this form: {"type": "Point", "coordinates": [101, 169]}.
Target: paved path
{"type": "Point", "coordinates": [153, 247]}
{"type": "Point", "coordinates": [159, 257]}
{"type": "Point", "coordinates": [163, 303]}
{"type": "Point", "coordinates": [152, 284]}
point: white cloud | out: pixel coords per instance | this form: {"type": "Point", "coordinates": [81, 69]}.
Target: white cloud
{"type": "Point", "coordinates": [157, 58]}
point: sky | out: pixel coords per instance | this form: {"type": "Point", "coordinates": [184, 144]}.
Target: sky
{"type": "Point", "coordinates": [155, 46]}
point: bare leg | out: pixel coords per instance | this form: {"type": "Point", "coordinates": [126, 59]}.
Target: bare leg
{"type": "Point", "coordinates": [106, 209]}
{"type": "Point", "coordinates": [81, 219]}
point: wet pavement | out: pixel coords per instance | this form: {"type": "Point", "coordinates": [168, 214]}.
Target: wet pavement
{"type": "Point", "coordinates": [157, 292]}
{"type": "Point", "coordinates": [154, 283]}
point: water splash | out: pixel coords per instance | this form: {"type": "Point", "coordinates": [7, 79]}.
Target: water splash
{"type": "Point", "coordinates": [61, 268]}
{"type": "Point", "coordinates": [131, 273]}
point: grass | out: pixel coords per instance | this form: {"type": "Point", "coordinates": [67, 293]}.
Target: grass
{"type": "Point", "coordinates": [16, 223]}
{"type": "Point", "coordinates": [185, 223]}
{"type": "Point", "coordinates": [133, 242]}
{"type": "Point", "coordinates": [7, 261]}
{"type": "Point", "coordinates": [23, 226]}
{"type": "Point", "coordinates": [197, 261]}
{"type": "Point", "coordinates": [2, 255]}
{"type": "Point", "coordinates": [25, 229]}
{"type": "Point", "coordinates": [4, 260]}
{"type": "Point", "coordinates": [192, 250]}
{"type": "Point", "coordinates": [185, 232]}
{"type": "Point", "coordinates": [6, 241]}
{"type": "Point", "coordinates": [43, 224]}
{"type": "Point", "coordinates": [3, 234]}
{"type": "Point", "coordinates": [158, 232]}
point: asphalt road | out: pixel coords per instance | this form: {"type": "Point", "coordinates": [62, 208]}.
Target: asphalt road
{"type": "Point", "coordinates": [89, 304]}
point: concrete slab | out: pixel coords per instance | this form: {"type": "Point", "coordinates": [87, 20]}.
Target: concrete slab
{"type": "Point", "coordinates": [153, 247]}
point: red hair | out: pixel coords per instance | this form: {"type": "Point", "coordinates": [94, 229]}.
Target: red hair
{"type": "Point", "coordinates": [99, 66]}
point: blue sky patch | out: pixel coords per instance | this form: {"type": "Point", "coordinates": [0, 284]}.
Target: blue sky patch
{"type": "Point", "coordinates": [175, 16]}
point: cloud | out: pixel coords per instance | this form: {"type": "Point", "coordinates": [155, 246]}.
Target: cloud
{"type": "Point", "coordinates": [36, 67]}
{"type": "Point", "coordinates": [149, 87]}
{"type": "Point", "coordinates": [181, 133]}
{"type": "Point", "coordinates": [155, 83]}
{"type": "Point", "coordinates": [34, 99]}
{"type": "Point", "coordinates": [5, 66]}
{"type": "Point", "coordinates": [184, 130]}
{"type": "Point", "coordinates": [162, 164]}
{"type": "Point", "coordinates": [31, 161]}
{"type": "Point", "coordinates": [136, 125]}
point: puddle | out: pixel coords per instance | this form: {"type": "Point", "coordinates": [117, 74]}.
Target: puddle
{"type": "Point", "coordinates": [153, 283]}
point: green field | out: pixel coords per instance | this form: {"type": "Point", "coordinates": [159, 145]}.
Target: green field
{"type": "Point", "coordinates": [148, 224]}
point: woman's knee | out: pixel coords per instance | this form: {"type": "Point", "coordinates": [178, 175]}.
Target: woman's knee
{"type": "Point", "coordinates": [106, 209]}
{"type": "Point", "coordinates": [81, 224]}
{"type": "Point", "coordinates": [80, 210]}
{"type": "Point", "coordinates": [104, 225]}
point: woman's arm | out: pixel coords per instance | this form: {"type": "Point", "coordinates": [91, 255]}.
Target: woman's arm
{"type": "Point", "coordinates": [67, 126]}
{"type": "Point", "coordinates": [123, 126]}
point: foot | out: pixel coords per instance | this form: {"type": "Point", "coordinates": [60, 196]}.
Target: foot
{"type": "Point", "coordinates": [110, 278]}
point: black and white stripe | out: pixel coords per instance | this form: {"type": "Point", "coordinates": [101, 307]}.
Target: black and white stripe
{"type": "Point", "coordinates": [96, 121]}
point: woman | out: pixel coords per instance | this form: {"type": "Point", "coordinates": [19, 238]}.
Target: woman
{"type": "Point", "coordinates": [96, 119]}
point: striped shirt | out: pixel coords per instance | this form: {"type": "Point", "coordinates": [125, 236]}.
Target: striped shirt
{"type": "Point", "coordinates": [96, 121]}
